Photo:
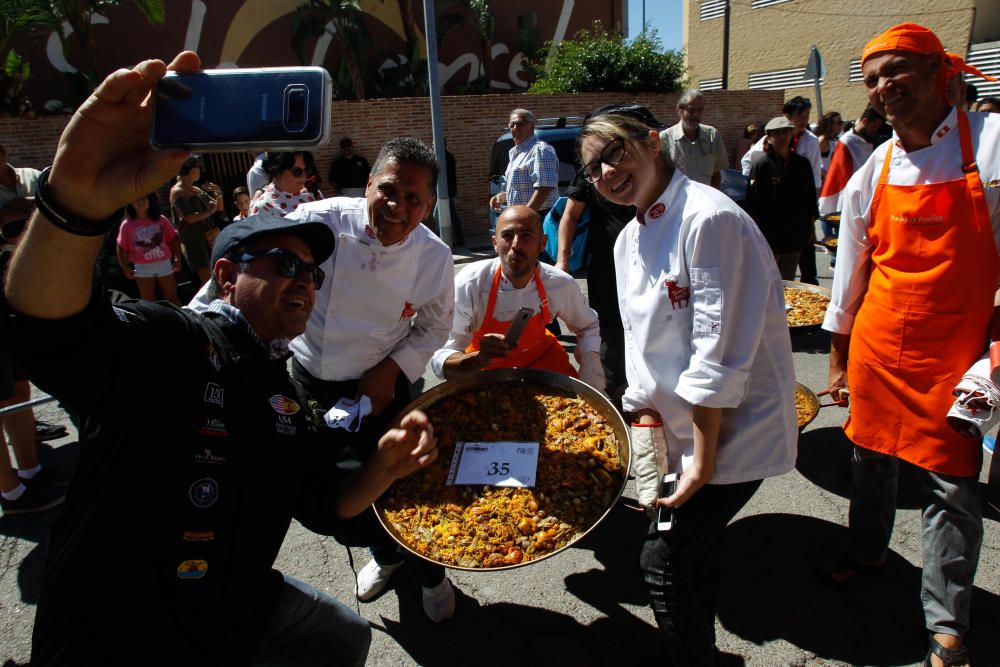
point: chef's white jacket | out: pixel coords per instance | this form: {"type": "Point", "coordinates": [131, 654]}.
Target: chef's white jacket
{"type": "Point", "coordinates": [703, 309]}
{"type": "Point", "coordinates": [807, 147]}
{"type": "Point", "coordinates": [377, 301]}
{"type": "Point", "coordinates": [937, 163]}
{"type": "Point", "coordinates": [472, 295]}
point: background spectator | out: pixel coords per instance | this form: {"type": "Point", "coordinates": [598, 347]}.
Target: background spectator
{"type": "Point", "coordinates": [149, 251]}
{"type": "Point", "coordinates": [349, 172]}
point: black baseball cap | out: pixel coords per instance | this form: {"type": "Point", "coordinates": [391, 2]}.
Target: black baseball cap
{"type": "Point", "coordinates": [311, 229]}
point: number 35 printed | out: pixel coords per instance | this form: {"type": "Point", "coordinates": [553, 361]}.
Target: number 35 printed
{"type": "Point", "coordinates": [498, 468]}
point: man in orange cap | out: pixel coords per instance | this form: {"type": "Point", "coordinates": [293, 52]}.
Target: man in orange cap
{"type": "Point", "coordinates": [917, 264]}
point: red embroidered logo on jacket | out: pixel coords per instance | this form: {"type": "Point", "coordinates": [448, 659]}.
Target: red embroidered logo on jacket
{"type": "Point", "coordinates": [680, 297]}
{"type": "Point", "coordinates": [408, 311]}
{"type": "Point", "coordinates": [657, 210]}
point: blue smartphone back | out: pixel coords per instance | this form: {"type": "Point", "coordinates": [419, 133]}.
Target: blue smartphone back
{"type": "Point", "coordinates": [237, 109]}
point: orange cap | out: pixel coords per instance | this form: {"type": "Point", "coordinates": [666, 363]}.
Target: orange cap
{"type": "Point", "coordinates": [956, 63]}
{"type": "Point", "coordinates": [903, 37]}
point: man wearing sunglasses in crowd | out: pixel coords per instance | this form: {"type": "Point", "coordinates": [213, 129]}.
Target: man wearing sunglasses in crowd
{"type": "Point", "coordinates": [176, 497]}
{"type": "Point", "coordinates": [532, 176]}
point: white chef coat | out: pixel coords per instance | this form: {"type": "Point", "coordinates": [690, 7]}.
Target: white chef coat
{"type": "Point", "coordinates": [938, 163]}
{"type": "Point", "coordinates": [472, 295]}
{"type": "Point", "coordinates": [703, 309]}
{"type": "Point", "coordinates": [377, 301]}
{"type": "Point", "coordinates": [858, 151]}
{"type": "Point", "coordinates": [807, 147]}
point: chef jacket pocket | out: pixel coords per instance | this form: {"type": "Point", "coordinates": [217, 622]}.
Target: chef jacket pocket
{"type": "Point", "coordinates": [706, 297]}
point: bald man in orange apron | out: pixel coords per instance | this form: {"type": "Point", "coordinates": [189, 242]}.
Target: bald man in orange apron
{"type": "Point", "coordinates": [488, 293]}
{"type": "Point", "coordinates": [912, 309]}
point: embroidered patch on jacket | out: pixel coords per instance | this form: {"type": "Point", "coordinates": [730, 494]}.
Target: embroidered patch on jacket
{"type": "Point", "coordinates": [214, 427]}
{"type": "Point", "coordinates": [213, 393]}
{"type": "Point", "coordinates": [206, 455]}
{"type": "Point", "coordinates": [408, 311]}
{"type": "Point", "coordinates": [192, 569]}
{"type": "Point", "coordinates": [198, 535]}
{"type": "Point", "coordinates": [680, 297]}
{"type": "Point", "coordinates": [657, 210]}
{"type": "Point", "coordinates": [204, 493]}
{"type": "Point", "coordinates": [283, 405]}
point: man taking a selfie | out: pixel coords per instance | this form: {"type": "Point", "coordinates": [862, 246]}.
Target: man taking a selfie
{"type": "Point", "coordinates": [173, 521]}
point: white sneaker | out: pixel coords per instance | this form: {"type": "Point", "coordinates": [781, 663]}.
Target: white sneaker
{"type": "Point", "coordinates": [373, 578]}
{"type": "Point", "coordinates": [439, 601]}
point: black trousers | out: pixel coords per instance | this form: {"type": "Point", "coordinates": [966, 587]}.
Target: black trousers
{"type": "Point", "coordinates": [360, 446]}
{"type": "Point", "coordinates": [681, 567]}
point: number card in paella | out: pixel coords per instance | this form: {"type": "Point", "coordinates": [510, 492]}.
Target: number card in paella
{"type": "Point", "coordinates": [494, 464]}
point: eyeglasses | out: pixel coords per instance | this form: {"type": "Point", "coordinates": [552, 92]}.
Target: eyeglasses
{"type": "Point", "coordinates": [297, 171]}
{"type": "Point", "coordinates": [516, 124]}
{"type": "Point", "coordinates": [290, 265]}
{"type": "Point", "coordinates": [611, 155]}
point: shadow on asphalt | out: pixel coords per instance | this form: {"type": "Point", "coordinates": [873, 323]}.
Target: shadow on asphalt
{"type": "Point", "coordinates": [36, 527]}
{"type": "Point", "coordinates": [502, 633]}
{"type": "Point", "coordinates": [825, 460]}
{"type": "Point", "coordinates": [811, 340]}
{"type": "Point", "coordinates": [771, 590]}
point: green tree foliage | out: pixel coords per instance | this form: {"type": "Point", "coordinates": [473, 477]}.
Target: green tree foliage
{"type": "Point", "coordinates": [343, 20]}
{"type": "Point", "coordinates": [598, 61]}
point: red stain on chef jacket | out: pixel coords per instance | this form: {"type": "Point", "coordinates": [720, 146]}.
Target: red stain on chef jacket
{"type": "Point", "coordinates": [680, 297]}
{"type": "Point", "coordinates": [408, 311]}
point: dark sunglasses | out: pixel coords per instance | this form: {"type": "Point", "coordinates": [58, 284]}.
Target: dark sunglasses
{"type": "Point", "coordinates": [297, 171]}
{"type": "Point", "coordinates": [290, 265]}
{"type": "Point", "coordinates": [612, 153]}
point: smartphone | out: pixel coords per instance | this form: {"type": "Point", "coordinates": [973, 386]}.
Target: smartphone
{"type": "Point", "coordinates": [517, 325]}
{"type": "Point", "coordinates": [273, 108]}
{"type": "Point", "coordinates": [665, 515]}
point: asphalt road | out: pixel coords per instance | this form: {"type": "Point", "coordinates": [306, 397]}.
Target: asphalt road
{"type": "Point", "coordinates": [588, 606]}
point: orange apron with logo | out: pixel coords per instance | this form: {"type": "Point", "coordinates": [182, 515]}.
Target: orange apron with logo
{"type": "Point", "coordinates": [925, 318]}
{"type": "Point", "coordinates": [537, 347]}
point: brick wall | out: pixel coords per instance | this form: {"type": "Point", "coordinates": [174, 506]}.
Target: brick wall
{"type": "Point", "coordinates": [472, 124]}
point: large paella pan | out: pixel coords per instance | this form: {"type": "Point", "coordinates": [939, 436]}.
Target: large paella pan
{"type": "Point", "coordinates": [582, 463]}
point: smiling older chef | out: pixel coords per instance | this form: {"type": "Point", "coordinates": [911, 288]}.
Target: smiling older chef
{"type": "Point", "coordinates": [385, 309]}
{"type": "Point", "coordinates": [489, 293]}
{"type": "Point", "coordinates": [917, 265]}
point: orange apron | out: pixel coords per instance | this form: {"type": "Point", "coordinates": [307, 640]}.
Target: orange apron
{"type": "Point", "coordinates": [537, 347]}
{"type": "Point", "coordinates": [925, 318]}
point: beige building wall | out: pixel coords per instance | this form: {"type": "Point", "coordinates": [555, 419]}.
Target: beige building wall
{"type": "Point", "coordinates": [781, 35]}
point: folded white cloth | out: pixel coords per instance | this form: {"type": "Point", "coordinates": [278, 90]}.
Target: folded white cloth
{"type": "Point", "coordinates": [649, 461]}
{"type": "Point", "coordinates": [347, 414]}
{"type": "Point", "coordinates": [976, 410]}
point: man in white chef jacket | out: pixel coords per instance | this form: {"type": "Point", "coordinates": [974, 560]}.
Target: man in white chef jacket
{"type": "Point", "coordinates": [489, 293]}
{"type": "Point", "coordinates": [384, 309]}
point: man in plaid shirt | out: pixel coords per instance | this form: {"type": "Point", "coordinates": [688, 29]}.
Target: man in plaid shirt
{"type": "Point", "coordinates": [533, 171]}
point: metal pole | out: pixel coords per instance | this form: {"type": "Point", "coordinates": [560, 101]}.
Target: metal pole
{"type": "Point", "coordinates": [725, 48]}
{"type": "Point", "coordinates": [27, 404]}
{"type": "Point", "coordinates": [434, 83]}
{"type": "Point", "coordinates": [643, 15]}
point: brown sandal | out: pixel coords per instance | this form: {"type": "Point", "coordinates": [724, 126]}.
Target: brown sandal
{"type": "Point", "coordinates": [842, 568]}
{"type": "Point", "coordinates": [949, 656]}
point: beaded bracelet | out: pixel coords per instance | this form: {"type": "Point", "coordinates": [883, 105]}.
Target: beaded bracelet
{"type": "Point", "coordinates": [68, 222]}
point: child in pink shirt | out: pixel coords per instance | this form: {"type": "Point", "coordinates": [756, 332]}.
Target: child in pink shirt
{"type": "Point", "coordinates": [148, 249]}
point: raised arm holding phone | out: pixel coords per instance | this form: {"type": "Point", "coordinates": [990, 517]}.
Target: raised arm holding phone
{"type": "Point", "coordinates": [189, 506]}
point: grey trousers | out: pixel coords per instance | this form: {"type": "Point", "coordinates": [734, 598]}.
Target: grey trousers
{"type": "Point", "coordinates": [952, 533]}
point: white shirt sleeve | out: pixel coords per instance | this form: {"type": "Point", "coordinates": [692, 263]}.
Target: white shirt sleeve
{"type": "Point", "coordinates": [573, 309]}
{"type": "Point", "coordinates": [732, 273]}
{"type": "Point", "coordinates": [747, 160]}
{"type": "Point", "coordinates": [430, 326]}
{"type": "Point", "coordinates": [465, 322]}
{"type": "Point", "coordinates": [854, 250]}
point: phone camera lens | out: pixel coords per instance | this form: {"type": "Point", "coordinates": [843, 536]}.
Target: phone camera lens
{"type": "Point", "coordinates": [296, 107]}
